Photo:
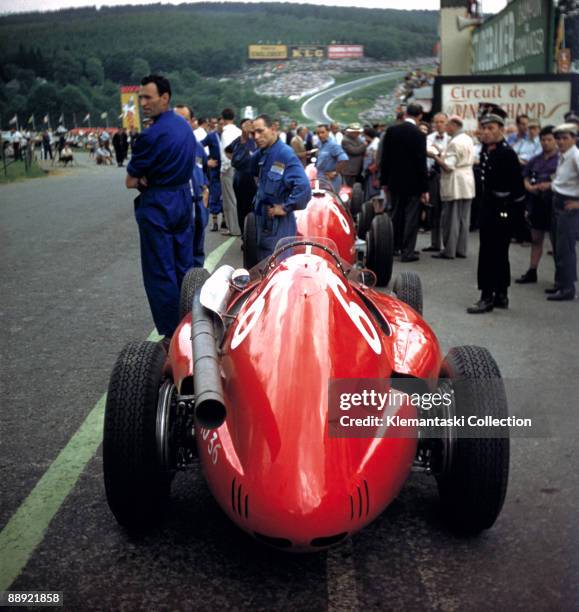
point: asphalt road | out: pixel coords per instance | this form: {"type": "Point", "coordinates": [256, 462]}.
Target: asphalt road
{"type": "Point", "coordinates": [72, 296]}
{"type": "Point", "coordinates": [316, 107]}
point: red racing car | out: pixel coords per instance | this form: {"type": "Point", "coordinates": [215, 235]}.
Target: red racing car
{"type": "Point", "coordinates": [333, 216]}
{"type": "Point", "coordinates": [246, 386]}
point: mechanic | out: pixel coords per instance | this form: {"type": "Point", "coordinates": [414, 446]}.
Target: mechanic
{"type": "Point", "coordinates": [160, 168]}
{"type": "Point", "coordinates": [199, 190]}
{"type": "Point", "coordinates": [503, 191]}
{"type": "Point", "coordinates": [213, 144]}
{"type": "Point", "coordinates": [282, 187]}
{"type": "Point", "coordinates": [331, 158]}
{"type": "Point", "coordinates": [244, 186]}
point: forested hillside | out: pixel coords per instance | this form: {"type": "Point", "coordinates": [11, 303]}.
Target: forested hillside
{"type": "Point", "coordinates": [74, 60]}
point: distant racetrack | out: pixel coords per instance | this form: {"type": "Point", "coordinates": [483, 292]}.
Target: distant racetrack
{"type": "Point", "coordinates": [316, 107]}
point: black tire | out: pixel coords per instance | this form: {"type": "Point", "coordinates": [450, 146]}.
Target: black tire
{"type": "Point", "coordinates": [357, 199]}
{"type": "Point", "coordinates": [408, 288]}
{"type": "Point", "coordinates": [380, 249]}
{"type": "Point", "coordinates": [473, 486]}
{"type": "Point", "coordinates": [250, 242]}
{"type": "Point", "coordinates": [194, 279]}
{"type": "Point", "coordinates": [136, 487]}
{"type": "Point", "coordinates": [364, 219]}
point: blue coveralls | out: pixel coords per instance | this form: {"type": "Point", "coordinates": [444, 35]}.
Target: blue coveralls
{"type": "Point", "coordinates": [282, 180]}
{"type": "Point", "coordinates": [329, 154]}
{"type": "Point", "coordinates": [212, 142]}
{"type": "Point", "coordinates": [164, 154]}
{"type": "Point", "coordinates": [201, 214]}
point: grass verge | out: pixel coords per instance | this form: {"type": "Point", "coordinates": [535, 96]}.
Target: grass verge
{"type": "Point", "coordinates": [16, 172]}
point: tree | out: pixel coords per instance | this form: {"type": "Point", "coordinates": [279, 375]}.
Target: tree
{"type": "Point", "coordinates": [74, 101]}
{"type": "Point", "coordinates": [94, 71]}
{"type": "Point", "coordinates": [67, 69]}
{"type": "Point", "coordinates": [140, 69]}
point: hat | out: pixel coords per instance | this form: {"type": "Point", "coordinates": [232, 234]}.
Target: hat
{"type": "Point", "coordinates": [456, 119]}
{"type": "Point", "coordinates": [534, 123]}
{"type": "Point", "coordinates": [489, 112]}
{"type": "Point", "coordinates": [571, 117]}
{"type": "Point", "coordinates": [354, 127]}
{"type": "Point", "coordinates": [566, 128]}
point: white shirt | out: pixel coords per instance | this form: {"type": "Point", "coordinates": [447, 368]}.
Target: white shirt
{"type": "Point", "coordinates": [16, 137]}
{"type": "Point", "coordinates": [338, 137]}
{"type": "Point", "coordinates": [566, 181]}
{"type": "Point", "coordinates": [200, 134]}
{"type": "Point", "coordinates": [229, 133]}
{"type": "Point", "coordinates": [438, 141]}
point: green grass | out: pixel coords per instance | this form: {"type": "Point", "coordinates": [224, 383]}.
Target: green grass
{"type": "Point", "coordinates": [348, 108]}
{"type": "Point", "coordinates": [16, 172]}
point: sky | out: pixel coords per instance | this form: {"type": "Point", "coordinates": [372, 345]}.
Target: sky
{"type": "Point", "coordinates": [19, 6]}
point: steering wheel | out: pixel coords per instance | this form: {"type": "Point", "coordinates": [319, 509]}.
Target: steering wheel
{"type": "Point", "coordinates": [295, 243]}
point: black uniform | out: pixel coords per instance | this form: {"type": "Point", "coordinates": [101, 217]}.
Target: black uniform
{"type": "Point", "coordinates": [503, 193]}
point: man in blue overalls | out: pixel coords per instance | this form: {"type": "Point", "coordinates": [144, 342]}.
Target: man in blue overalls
{"type": "Point", "coordinates": [199, 191]}
{"type": "Point", "coordinates": [331, 158]}
{"type": "Point", "coordinates": [282, 187]}
{"type": "Point", "coordinates": [213, 143]}
{"type": "Point", "coordinates": [160, 168]}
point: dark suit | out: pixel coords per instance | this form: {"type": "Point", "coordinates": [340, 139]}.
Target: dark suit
{"type": "Point", "coordinates": [403, 171]}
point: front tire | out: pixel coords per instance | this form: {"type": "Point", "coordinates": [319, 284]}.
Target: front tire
{"type": "Point", "coordinates": [194, 279]}
{"type": "Point", "coordinates": [250, 257]}
{"type": "Point", "coordinates": [473, 485]}
{"type": "Point", "coordinates": [136, 485]}
{"type": "Point", "coordinates": [408, 289]}
{"type": "Point", "coordinates": [364, 219]}
{"type": "Point", "coordinates": [380, 249]}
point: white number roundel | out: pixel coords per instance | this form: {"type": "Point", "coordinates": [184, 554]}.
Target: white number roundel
{"type": "Point", "coordinates": [360, 319]}
{"type": "Point", "coordinates": [343, 221]}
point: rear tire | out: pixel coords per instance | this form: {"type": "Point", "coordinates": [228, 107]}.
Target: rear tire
{"type": "Point", "coordinates": [364, 219]}
{"type": "Point", "coordinates": [194, 279]}
{"type": "Point", "coordinates": [380, 249]}
{"type": "Point", "coordinates": [408, 289]}
{"type": "Point", "coordinates": [136, 486]}
{"type": "Point", "coordinates": [357, 199]}
{"type": "Point", "coordinates": [250, 242]}
{"type": "Point", "coordinates": [473, 486]}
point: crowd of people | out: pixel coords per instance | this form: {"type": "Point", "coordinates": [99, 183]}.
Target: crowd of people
{"type": "Point", "coordinates": [512, 185]}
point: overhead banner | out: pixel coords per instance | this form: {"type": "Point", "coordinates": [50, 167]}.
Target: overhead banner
{"type": "Point", "coordinates": [267, 52]}
{"type": "Point", "coordinates": [312, 51]}
{"type": "Point", "coordinates": [518, 40]}
{"type": "Point", "coordinates": [130, 107]}
{"type": "Point", "coordinates": [345, 51]}
{"type": "Point", "coordinates": [545, 101]}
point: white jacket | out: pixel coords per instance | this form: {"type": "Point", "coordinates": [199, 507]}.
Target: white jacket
{"type": "Point", "coordinates": [458, 183]}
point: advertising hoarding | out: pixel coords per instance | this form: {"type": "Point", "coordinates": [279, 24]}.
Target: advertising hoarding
{"type": "Point", "coordinates": [545, 97]}
{"type": "Point", "coordinates": [302, 51]}
{"type": "Point", "coordinates": [518, 40]}
{"type": "Point", "coordinates": [267, 52]}
{"type": "Point", "coordinates": [130, 107]}
{"type": "Point", "coordinates": [345, 51]}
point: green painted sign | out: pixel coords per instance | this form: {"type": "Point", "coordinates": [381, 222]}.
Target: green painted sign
{"type": "Point", "coordinates": [518, 40]}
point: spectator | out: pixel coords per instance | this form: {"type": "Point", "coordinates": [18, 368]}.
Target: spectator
{"type": "Point", "coordinates": [291, 133]}
{"type": "Point", "coordinates": [228, 134]}
{"type": "Point", "coordinates": [161, 167]}
{"type": "Point", "coordinates": [299, 146]}
{"type": "Point", "coordinates": [521, 142]}
{"type": "Point", "coordinates": [212, 143]}
{"type": "Point", "coordinates": [503, 190]}
{"type": "Point", "coordinates": [355, 149]}
{"type": "Point", "coordinates": [370, 166]}
{"type": "Point", "coordinates": [336, 132]}
{"type": "Point", "coordinates": [403, 175]}
{"type": "Point", "coordinates": [66, 156]}
{"type": "Point", "coordinates": [424, 128]}
{"type": "Point", "coordinates": [331, 159]}
{"type": "Point", "coordinates": [534, 136]}
{"type": "Point", "coordinates": [244, 148]}
{"type": "Point", "coordinates": [457, 189]}
{"type": "Point", "coordinates": [103, 156]}
{"type": "Point", "coordinates": [16, 140]}
{"type": "Point", "coordinates": [537, 178]}
{"type": "Point", "coordinates": [121, 146]}
{"type": "Point", "coordinates": [436, 143]}
{"type": "Point", "coordinates": [565, 188]}
{"type": "Point", "coordinates": [46, 145]}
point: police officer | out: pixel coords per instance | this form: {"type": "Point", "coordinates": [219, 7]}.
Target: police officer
{"type": "Point", "coordinates": [331, 159]}
{"type": "Point", "coordinates": [160, 168]}
{"type": "Point", "coordinates": [213, 143]}
{"type": "Point", "coordinates": [503, 192]}
{"type": "Point", "coordinates": [282, 187]}
{"type": "Point", "coordinates": [199, 191]}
